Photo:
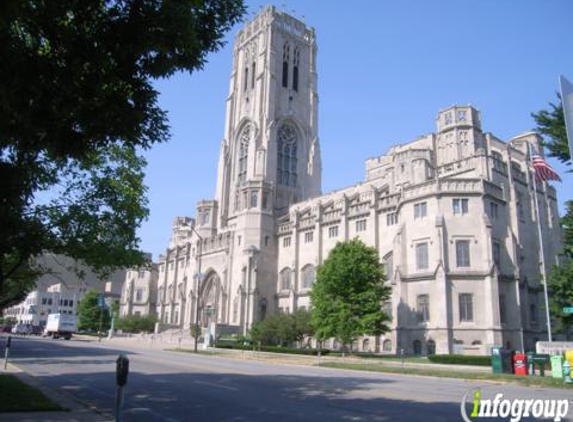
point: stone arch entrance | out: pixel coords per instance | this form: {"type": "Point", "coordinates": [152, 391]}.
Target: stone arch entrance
{"type": "Point", "coordinates": [212, 305]}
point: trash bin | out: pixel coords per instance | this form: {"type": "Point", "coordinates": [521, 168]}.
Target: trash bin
{"type": "Point", "coordinates": [557, 366]}
{"type": "Point", "coordinates": [530, 367]}
{"type": "Point", "coordinates": [496, 360]}
{"type": "Point", "coordinates": [520, 364]}
{"type": "Point", "coordinates": [507, 361]}
{"type": "Point", "coordinates": [541, 361]}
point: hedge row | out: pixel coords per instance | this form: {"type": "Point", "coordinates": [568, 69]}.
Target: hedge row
{"type": "Point", "coordinates": [272, 349]}
{"type": "Point", "coordinates": [461, 360]}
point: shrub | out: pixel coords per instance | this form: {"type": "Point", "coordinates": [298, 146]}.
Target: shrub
{"type": "Point", "coordinates": [272, 349]}
{"type": "Point", "coordinates": [137, 323]}
{"type": "Point", "coordinates": [460, 360]}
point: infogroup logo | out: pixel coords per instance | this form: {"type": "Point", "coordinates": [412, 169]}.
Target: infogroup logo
{"type": "Point", "coordinates": [515, 409]}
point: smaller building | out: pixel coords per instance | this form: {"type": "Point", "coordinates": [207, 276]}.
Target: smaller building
{"type": "Point", "coordinates": [139, 293]}
{"type": "Point", "coordinates": [60, 290]}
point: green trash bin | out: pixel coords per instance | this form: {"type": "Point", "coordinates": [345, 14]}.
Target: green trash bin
{"type": "Point", "coordinates": [557, 366]}
{"type": "Point", "coordinates": [496, 365]}
{"type": "Point", "coordinates": [541, 361]}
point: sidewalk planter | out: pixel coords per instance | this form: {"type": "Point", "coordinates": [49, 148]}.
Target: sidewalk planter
{"type": "Point", "coordinates": [520, 364]}
{"type": "Point", "coordinates": [557, 366]}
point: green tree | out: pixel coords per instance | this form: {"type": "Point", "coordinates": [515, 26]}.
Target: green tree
{"type": "Point", "coordinates": [90, 314]}
{"type": "Point", "coordinates": [78, 109]}
{"type": "Point", "coordinates": [561, 285]}
{"type": "Point", "coordinates": [348, 294]}
{"type": "Point", "coordinates": [551, 123]}
{"type": "Point", "coordinates": [302, 327]}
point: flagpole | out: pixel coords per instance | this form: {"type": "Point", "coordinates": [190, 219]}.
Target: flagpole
{"type": "Point", "coordinates": [541, 249]}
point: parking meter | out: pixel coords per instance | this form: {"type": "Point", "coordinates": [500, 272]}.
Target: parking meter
{"type": "Point", "coordinates": [122, 369]}
{"type": "Point", "coordinates": [7, 351]}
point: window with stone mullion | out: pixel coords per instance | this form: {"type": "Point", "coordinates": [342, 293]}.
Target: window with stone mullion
{"type": "Point", "coordinates": [286, 156]}
{"type": "Point", "coordinates": [243, 155]}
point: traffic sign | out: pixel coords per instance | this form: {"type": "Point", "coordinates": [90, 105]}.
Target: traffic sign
{"type": "Point", "coordinates": [101, 301]}
{"type": "Point", "coordinates": [568, 310]}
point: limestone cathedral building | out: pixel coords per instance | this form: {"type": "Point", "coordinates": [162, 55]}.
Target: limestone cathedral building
{"type": "Point", "coordinates": [451, 214]}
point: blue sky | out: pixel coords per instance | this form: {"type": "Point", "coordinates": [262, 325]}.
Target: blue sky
{"type": "Point", "coordinates": [385, 68]}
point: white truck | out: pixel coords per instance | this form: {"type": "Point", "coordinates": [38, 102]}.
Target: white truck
{"type": "Point", "coordinates": [60, 325]}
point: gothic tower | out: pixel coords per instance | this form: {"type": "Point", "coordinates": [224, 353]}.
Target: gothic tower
{"type": "Point", "coordinates": [270, 152]}
{"type": "Point", "coordinates": [270, 155]}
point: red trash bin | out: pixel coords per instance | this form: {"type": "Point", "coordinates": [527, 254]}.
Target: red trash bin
{"type": "Point", "coordinates": [520, 364]}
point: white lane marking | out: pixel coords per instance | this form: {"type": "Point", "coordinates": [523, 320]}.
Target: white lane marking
{"type": "Point", "coordinates": [216, 385]}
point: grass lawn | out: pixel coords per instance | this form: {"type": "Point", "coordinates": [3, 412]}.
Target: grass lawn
{"type": "Point", "coordinates": [17, 396]}
{"type": "Point", "coordinates": [445, 373]}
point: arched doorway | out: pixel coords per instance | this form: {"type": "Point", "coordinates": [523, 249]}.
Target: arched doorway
{"type": "Point", "coordinates": [211, 306]}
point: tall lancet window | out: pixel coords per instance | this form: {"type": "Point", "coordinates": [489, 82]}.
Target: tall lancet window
{"type": "Point", "coordinates": [286, 58]}
{"type": "Point", "coordinates": [243, 154]}
{"type": "Point", "coordinates": [246, 80]}
{"type": "Point", "coordinates": [296, 61]}
{"type": "Point", "coordinates": [286, 155]}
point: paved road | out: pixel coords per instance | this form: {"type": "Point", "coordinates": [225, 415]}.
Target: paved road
{"type": "Point", "coordinates": [172, 387]}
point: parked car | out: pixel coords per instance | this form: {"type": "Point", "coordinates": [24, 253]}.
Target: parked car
{"type": "Point", "coordinates": [36, 330]}
{"type": "Point", "coordinates": [21, 329]}
{"type": "Point", "coordinates": [7, 328]}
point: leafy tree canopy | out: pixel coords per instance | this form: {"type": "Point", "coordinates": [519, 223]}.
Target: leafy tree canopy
{"type": "Point", "coordinates": [561, 286]}
{"type": "Point", "coordinates": [348, 294]}
{"type": "Point", "coordinates": [90, 313]}
{"type": "Point", "coordinates": [77, 106]}
{"type": "Point", "coordinates": [551, 123]}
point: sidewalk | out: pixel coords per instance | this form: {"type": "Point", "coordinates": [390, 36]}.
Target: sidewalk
{"type": "Point", "coordinates": [77, 412]}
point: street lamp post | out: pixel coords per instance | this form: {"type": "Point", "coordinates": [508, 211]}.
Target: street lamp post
{"type": "Point", "coordinates": [199, 276]}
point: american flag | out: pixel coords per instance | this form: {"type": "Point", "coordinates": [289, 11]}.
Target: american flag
{"type": "Point", "coordinates": [543, 171]}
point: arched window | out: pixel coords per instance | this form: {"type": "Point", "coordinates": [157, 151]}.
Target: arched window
{"type": "Point", "coordinates": [243, 154]}
{"type": "Point", "coordinates": [417, 347]}
{"type": "Point", "coordinates": [285, 279]}
{"type": "Point", "coordinates": [246, 79]}
{"type": "Point", "coordinates": [286, 56]}
{"type": "Point", "coordinates": [253, 75]}
{"type": "Point", "coordinates": [286, 155]}
{"type": "Point", "coordinates": [387, 345]}
{"type": "Point", "coordinates": [296, 60]}
{"type": "Point", "coordinates": [431, 347]}
{"type": "Point", "coordinates": [366, 345]}
{"type": "Point", "coordinates": [262, 309]}
{"type": "Point", "coordinates": [308, 275]}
